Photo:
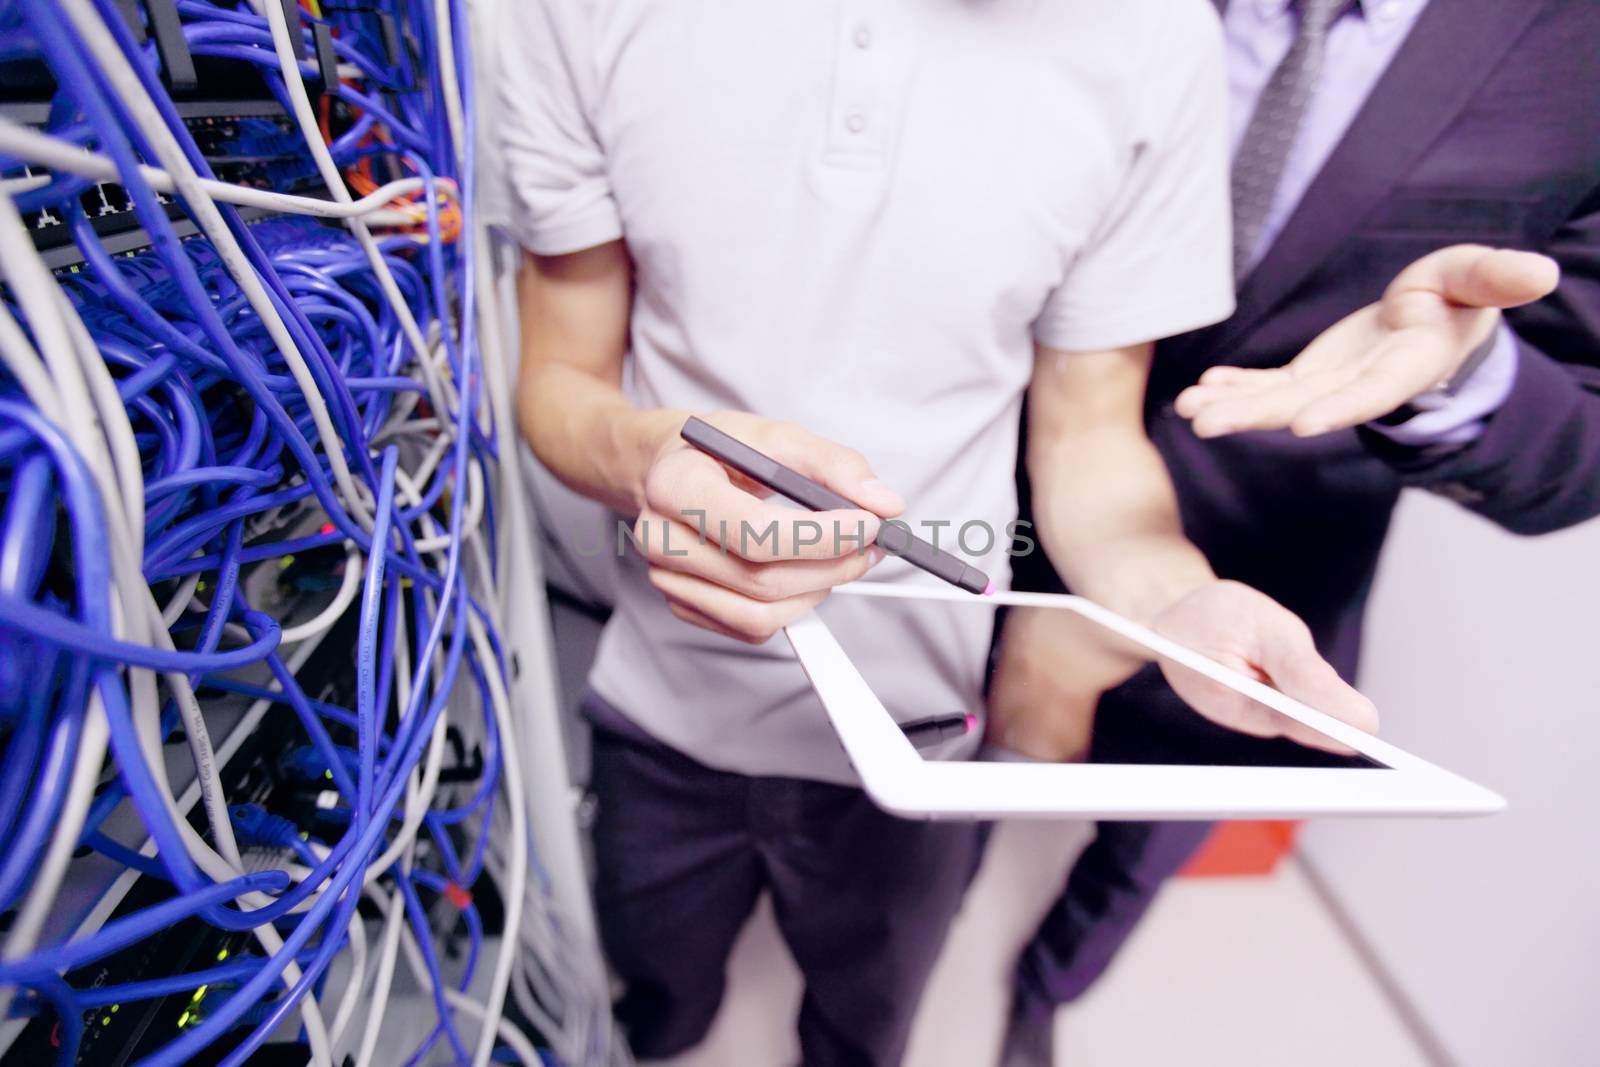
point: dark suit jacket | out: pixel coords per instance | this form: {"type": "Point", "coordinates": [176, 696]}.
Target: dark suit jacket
{"type": "Point", "coordinates": [1485, 128]}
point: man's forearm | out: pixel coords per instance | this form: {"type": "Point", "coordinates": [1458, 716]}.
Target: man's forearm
{"type": "Point", "coordinates": [1103, 499]}
{"type": "Point", "coordinates": [1108, 518]}
{"type": "Point", "coordinates": [570, 405]}
{"type": "Point", "coordinates": [1107, 515]}
{"type": "Point", "coordinates": [590, 435]}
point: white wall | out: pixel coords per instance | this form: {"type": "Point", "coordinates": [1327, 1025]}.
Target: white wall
{"type": "Point", "coordinates": [1483, 654]}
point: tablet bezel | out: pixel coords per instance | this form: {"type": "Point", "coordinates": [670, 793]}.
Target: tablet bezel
{"type": "Point", "coordinates": [900, 781]}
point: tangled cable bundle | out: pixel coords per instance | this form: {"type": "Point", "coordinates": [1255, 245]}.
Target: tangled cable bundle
{"type": "Point", "coordinates": [259, 440]}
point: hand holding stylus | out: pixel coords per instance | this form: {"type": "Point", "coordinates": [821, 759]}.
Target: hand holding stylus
{"type": "Point", "coordinates": [730, 560]}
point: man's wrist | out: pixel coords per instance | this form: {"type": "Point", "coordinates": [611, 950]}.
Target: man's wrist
{"type": "Point", "coordinates": [641, 436]}
{"type": "Point", "coordinates": [1142, 579]}
{"type": "Point", "coordinates": [1455, 413]}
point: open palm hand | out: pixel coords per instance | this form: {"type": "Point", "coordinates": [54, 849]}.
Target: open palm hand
{"type": "Point", "coordinates": [1431, 318]}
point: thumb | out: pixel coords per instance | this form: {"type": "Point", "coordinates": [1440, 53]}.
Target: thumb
{"type": "Point", "coordinates": [1477, 276]}
{"type": "Point", "coordinates": [842, 469]}
{"type": "Point", "coordinates": [1290, 660]}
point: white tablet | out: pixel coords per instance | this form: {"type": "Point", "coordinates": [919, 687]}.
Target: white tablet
{"type": "Point", "coordinates": [1383, 780]}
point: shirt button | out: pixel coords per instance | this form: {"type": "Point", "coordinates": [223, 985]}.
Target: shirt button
{"type": "Point", "coordinates": [863, 36]}
{"type": "Point", "coordinates": [855, 123]}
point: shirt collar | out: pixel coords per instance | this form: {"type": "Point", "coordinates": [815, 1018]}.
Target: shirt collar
{"type": "Point", "coordinates": [1381, 17]}
{"type": "Point", "coordinates": [1385, 18]}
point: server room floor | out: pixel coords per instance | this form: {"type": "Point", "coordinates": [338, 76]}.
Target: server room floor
{"type": "Point", "coordinates": [1294, 992]}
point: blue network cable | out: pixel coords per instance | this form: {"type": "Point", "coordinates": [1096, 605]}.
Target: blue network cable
{"type": "Point", "coordinates": [235, 472]}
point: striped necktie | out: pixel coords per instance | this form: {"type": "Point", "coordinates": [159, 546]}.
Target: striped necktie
{"type": "Point", "coordinates": [1258, 165]}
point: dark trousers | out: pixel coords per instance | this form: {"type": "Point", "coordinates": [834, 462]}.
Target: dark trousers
{"type": "Point", "coordinates": [682, 851]}
{"type": "Point", "coordinates": [1111, 886]}
{"type": "Point", "coordinates": [1114, 881]}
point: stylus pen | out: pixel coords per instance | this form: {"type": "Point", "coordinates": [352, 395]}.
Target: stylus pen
{"type": "Point", "coordinates": [894, 537]}
{"type": "Point", "coordinates": [937, 728]}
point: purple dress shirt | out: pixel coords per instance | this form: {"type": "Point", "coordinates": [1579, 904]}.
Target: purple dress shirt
{"type": "Point", "coordinates": [1360, 46]}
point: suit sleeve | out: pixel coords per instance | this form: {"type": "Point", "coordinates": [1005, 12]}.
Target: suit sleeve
{"type": "Point", "coordinates": [1536, 467]}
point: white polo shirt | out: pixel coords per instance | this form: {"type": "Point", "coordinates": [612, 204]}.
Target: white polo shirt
{"type": "Point", "coordinates": [860, 215]}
